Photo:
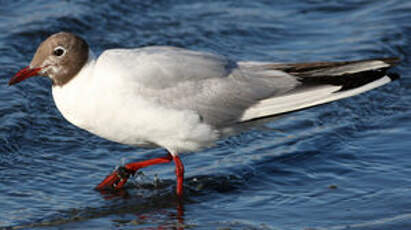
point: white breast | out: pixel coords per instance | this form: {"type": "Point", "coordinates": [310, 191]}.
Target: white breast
{"type": "Point", "coordinates": [72, 99]}
{"type": "Point", "coordinates": [104, 101]}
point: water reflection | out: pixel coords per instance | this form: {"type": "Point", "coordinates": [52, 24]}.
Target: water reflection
{"type": "Point", "coordinates": [164, 218]}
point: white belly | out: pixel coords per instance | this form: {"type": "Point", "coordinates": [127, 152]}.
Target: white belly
{"type": "Point", "coordinates": [121, 116]}
{"type": "Point", "coordinates": [107, 104]}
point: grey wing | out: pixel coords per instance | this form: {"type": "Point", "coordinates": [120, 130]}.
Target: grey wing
{"type": "Point", "coordinates": [161, 67]}
{"type": "Point", "coordinates": [224, 93]}
{"type": "Point", "coordinates": [218, 90]}
{"type": "Point", "coordinates": [221, 102]}
{"type": "Point", "coordinates": [256, 90]}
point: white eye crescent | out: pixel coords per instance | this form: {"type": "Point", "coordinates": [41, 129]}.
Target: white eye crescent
{"type": "Point", "coordinates": [59, 51]}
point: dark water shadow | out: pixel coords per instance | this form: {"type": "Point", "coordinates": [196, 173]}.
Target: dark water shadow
{"type": "Point", "coordinates": [146, 206]}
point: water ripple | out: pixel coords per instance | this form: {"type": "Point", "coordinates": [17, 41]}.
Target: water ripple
{"type": "Point", "coordinates": [343, 165]}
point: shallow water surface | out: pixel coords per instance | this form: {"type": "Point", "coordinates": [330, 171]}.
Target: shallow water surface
{"type": "Point", "coordinates": [345, 165]}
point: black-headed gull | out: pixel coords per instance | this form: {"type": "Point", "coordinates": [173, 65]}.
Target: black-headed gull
{"type": "Point", "coordinates": [183, 100]}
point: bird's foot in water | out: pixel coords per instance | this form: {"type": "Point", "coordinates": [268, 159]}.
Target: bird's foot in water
{"type": "Point", "coordinates": [116, 179]}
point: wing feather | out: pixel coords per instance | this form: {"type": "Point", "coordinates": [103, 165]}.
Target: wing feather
{"type": "Point", "coordinates": [224, 93]}
{"type": "Point", "coordinates": [217, 89]}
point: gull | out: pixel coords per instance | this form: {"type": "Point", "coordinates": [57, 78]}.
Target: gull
{"type": "Point", "coordinates": [183, 100]}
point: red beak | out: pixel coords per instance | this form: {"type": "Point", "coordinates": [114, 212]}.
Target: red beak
{"type": "Point", "coordinates": [24, 74]}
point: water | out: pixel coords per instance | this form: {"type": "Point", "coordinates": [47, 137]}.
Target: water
{"type": "Point", "coordinates": [342, 165]}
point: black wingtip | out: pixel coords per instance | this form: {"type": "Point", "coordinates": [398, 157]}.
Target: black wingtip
{"type": "Point", "coordinates": [392, 61]}
{"type": "Point", "coordinates": [393, 76]}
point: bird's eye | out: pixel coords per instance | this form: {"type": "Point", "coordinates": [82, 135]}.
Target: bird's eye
{"type": "Point", "coordinates": [59, 51]}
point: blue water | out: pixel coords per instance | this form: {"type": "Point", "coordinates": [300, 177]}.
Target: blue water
{"type": "Point", "coordinates": [345, 165]}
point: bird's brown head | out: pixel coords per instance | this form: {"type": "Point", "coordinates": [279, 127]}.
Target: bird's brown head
{"type": "Point", "coordinates": [60, 57]}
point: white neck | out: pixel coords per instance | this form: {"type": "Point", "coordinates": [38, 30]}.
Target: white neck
{"type": "Point", "coordinates": [72, 98]}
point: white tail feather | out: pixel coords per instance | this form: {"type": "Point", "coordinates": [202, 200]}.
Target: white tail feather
{"type": "Point", "coordinates": [306, 98]}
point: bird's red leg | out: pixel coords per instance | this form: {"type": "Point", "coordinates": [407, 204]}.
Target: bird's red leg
{"type": "Point", "coordinates": [179, 175]}
{"type": "Point", "coordinates": [120, 176]}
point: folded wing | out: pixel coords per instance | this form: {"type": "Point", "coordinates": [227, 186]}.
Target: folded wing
{"type": "Point", "coordinates": [322, 82]}
{"type": "Point", "coordinates": [224, 93]}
